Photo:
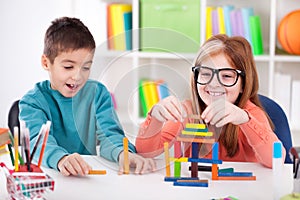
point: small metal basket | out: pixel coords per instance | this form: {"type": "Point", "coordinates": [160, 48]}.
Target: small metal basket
{"type": "Point", "coordinates": [27, 185]}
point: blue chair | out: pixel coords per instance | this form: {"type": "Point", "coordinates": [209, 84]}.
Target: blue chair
{"type": "Point", "coordinates": [279, 119]}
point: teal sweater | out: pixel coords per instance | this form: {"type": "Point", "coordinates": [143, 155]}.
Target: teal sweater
{"type": "Point", "coordinates": [78, 123]}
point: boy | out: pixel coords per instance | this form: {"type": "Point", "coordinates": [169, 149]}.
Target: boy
{"type": "Point", "coordinates": [81, 110]}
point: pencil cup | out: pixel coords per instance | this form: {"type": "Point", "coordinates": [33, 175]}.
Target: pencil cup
{"type": "Point", "coordinates": [24, 185]}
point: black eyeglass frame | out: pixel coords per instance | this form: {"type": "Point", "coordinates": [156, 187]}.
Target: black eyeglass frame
{"type": "Point", "coordinates": [216, 71]}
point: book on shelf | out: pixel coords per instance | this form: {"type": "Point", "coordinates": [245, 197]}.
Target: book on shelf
{"type": "Point", "coordinates": [150, 93]}
{"type": "Point", "coordinates": [119, 26]}
{"type": "Point", "coordinates": [235, 22]}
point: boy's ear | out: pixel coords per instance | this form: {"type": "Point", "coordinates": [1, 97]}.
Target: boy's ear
{"type": "Point", "coordinates": [45, 62]}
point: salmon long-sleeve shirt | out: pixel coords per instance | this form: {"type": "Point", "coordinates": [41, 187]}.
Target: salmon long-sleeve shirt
{"type": "Point", "coordinates": [255, 137]}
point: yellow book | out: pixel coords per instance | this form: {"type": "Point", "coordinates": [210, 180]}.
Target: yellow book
{"type": "Point", "coordinates": [151, 94]}
{"type": "Point", "coordinates": [209, 31]}
{"type": "Point", "coordinates": [117, 21]}
{"type": "Point", "coordinates": [221, 20]}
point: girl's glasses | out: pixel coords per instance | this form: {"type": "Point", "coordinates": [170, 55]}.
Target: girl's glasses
{"type": "Point", "coordinates": [227, 77]}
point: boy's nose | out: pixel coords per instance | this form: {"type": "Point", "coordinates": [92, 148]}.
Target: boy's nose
{"type": "Point", "coordinates": [76, 74]}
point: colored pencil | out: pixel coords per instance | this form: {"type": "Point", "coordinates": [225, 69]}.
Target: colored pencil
{"type": "Point", "coordinates": [27, 148]}
{"type": "Point", "coordinates": [48, 124]}
{"type": "Point", "coordinates": [12, 144]}
{"type": "Point", "coordinates": [16, 147]}
{"type": "Point", "coordinates": [41, 133]}
{"type": "Point", "coordinates": [11, 154]}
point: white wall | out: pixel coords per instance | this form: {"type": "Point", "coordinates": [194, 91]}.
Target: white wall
{"type": "Point", "coordinates": [23, 24]}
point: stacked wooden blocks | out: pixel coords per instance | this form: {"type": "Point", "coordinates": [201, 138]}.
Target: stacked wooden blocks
{"type": "Point", "coordinates": [197, 134]}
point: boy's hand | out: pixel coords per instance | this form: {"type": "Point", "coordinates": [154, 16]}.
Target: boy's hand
{"type": "Point", "coordinates": [142, 165]}
{"type": "Point", "coordinates": [73, 164]}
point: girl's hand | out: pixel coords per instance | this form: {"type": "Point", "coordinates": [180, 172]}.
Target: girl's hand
{"type": "Point", "coordinates": [168, 108]}
{"type": "Point", "coordinates": [142, 165]}
{"type": "Point", "coordinates": [222, 112]}
{"type": "Point", "coordinates": [73, 164]}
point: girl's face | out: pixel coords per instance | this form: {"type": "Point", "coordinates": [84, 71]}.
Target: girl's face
{"type": "Point", "coordinates": [69, 71]}
{"type": "Point", "coordinates": [214, 89]}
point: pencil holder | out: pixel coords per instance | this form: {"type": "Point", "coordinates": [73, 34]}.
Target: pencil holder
{"type": "Point", "coordinates": [24, 185]}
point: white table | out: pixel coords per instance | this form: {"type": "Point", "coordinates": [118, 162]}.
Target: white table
{"type": "Point", "coordinates": [152, 186]}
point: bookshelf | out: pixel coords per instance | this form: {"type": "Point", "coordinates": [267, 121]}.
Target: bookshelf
{"type": "Point", "coordinates": [123, 70]}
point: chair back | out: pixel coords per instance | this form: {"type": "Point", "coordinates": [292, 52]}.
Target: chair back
{"type": "Point", "coordinates": [279, 119]}
{"type": "Point", "coordinates": [13, 117]}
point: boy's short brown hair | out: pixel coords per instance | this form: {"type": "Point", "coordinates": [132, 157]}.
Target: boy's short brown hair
{"type": "Point", "coordinates": [67, 34]}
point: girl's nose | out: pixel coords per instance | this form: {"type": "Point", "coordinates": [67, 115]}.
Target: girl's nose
{"type": "Point", "coordinates": [215, 81]}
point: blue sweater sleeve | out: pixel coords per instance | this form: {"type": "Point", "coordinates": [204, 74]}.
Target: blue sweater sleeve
{"type": "Point", "coordinates": [109, 130]}
{"type": "Point", "coordinates": [34, 110]}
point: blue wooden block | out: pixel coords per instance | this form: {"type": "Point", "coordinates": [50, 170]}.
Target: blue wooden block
{"type": "Point", "coordinates": [172, 179]}
{"type": "Point", "coordinates": [191, 184]}
{"type": "Point", "coordinates": [235, 174]}
{"type": "Point", "coordinates": [205, 160]}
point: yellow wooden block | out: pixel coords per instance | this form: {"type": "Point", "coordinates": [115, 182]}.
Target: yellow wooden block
{"type": "Point", "coordinates": [184, 132]}
{"type": "Point", "coordinates": [198, 126]}
{"type": "Point", "coordinates": [183, 159]}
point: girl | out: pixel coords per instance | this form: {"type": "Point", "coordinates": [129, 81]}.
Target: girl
{"type": "Point", "coordinates": [224, 84]}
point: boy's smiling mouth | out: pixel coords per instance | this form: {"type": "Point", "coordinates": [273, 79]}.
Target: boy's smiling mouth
{"type": "Point", "coordinates": [72, 86]}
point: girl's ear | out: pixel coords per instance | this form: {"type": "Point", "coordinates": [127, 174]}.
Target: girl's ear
{"type": "Point", "coordinates": [45, 62]}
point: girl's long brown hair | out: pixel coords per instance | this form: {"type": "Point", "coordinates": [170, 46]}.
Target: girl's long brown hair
{"type": "Point", "coordinates": [239, 54]}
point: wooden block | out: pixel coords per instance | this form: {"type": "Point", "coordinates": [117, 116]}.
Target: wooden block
{"type": "Point", "coordinates": [193, 180]}
{"type": "Point", "coordinates": [214, 172]}
{"type": "Point", "coordinates": [177, 169]}
{"type": "Point", "coordinates": [235, 174]}
{"type": "Point", "coordinates": [172, 179]}
{"type": "Point", "coordinates": [226, 170]}
{"type": "Point", "coordinates": [184, 132]}
{"type": "Point", "coordinates": [233, 178]}
{"type": "Point", "coordinates": [97, 172]}
{"type": "Point", "coordinates": [215, 151]}
{"type": "Point", "coordinates": [203, 168]}
{"type": "Point", "coordinates": [205, 160]}
{"type": "Point", "coordinates": [199, 140]}
{"type": "Point", "coordinates": [195, 154]}
{"type": "Point", "coordinates": [196, 129]}
{"type": "Point", "coordinates": [167, 159]}
{"type": "Point", "coordinates": [126, 155]}
{"type": "Point", "coordinates": [182, 159]}
{"type": "Point", "coordinates": [191, 184]}
{"type": "Point", "coordinates": [197, 126]}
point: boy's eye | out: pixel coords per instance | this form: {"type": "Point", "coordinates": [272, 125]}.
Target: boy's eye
{"type": "Point", "coordinates": [86, 68]}
{"type": "Point", "coordinates": [68, 67]}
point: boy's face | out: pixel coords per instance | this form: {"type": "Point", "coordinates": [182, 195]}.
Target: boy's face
{"type": "Point", "coordinates": [69, 71]}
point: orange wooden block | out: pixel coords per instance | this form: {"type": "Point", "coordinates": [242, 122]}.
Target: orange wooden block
{"type": "Point", "coordinates": [214, 172]}
{"type": "Point", "coordinates": [126, 155]}
{"type": "Point", "coordinates": [97, 172]}
{"type": "Point", "coordinates": [167, 159]}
